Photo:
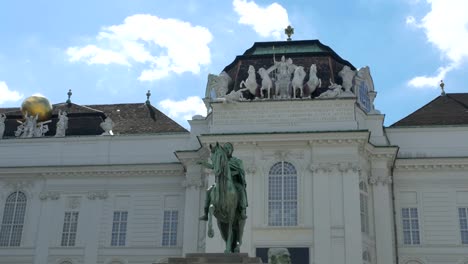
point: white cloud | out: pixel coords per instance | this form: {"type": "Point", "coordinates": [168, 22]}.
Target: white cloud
{"type": "Point", "coordinates": [428, 81]}
{"type": "Point", "coordinates": [163, 45]}
{"type": "Point", "coordinates": [266, 21]}
{"type": "Point", "coordinates": [7, 95]}
{"type": "Point", "coordinates": [184, 109]}
{"type": "Point", "coordinates": [446, 27]}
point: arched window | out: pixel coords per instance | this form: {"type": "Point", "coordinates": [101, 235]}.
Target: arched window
{"type": "Point", "coordinates": [282, 195]}
{"type": "Point", "coordinates": [13, 220]}
{"type": "Point", "coordinates": [363, 197]}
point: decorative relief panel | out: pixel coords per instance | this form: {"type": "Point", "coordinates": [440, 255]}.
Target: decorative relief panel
{"type": "Point", "coordinates": [101, 195]}
{"type": "Point", "coordinates": [51, 195]}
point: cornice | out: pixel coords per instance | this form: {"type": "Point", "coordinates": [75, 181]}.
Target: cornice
{"type": "Point", "coordinates": [311, 138]}
{"type": "Point", "coordinates": [431, 164]}
{"type": "Point", "coordinates": [172, 169]}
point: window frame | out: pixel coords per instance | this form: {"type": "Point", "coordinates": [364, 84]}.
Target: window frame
{"type": "Point", "coordinates": [173, 232]}
{"type": "Point", "coordinates": [69, 232]}
{"type": "Point", "coordinates": [270, 222]}
{"type": "Point", "coordinates": [465, 208]}
{"type": "Point", "coordinates": [14, 223]}
{"type": "Point", "coordinates": [410, 229]}
{"type": "Point", "coordinates": [119, 223]}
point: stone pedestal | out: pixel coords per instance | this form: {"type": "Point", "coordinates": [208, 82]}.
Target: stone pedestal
{"type": "Point", "coordinates": [214, 258]}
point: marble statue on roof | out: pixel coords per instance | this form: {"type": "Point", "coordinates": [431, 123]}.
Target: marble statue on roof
{"type": "Point", "coordinates": [267, 83]}
{"type": "Point", "coordinates": [334, 90]}
{"type": "Point", "coordinates": [219, 84]}
{"type": "Point", "coordinates": [2, 125]}
{"type": "Point", "coordinates": [62, 124]}
{"type": "Point", "coordinates": [107, 126]}
{"type": "Point", "coordinates": [298, 81]}
{"type": "Point", "coordinates": [282, 71]}
{"type": "Point", "coordinates": [250, 84]}
{"type": "Point", "coordinates": [347, 75]}
{"type": "Point", "coordinates": [314, 82]}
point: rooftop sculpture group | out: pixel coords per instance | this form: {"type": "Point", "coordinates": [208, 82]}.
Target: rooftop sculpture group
{"type": "Point", "coordinates": [282, 80]}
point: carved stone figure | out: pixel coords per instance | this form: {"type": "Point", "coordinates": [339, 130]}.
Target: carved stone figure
{"type": "Point", "coordinates": [267, 83]}
{"type": "Point", "coordinates": [234, 96]}
{"type": "Point", "coordinates": [283, 70]}
{"type": "Point", "coordinates": [250, 84]}
{"type": "Point", "coordinates": [26, 128]}
{"type": "Point", "coordinates": [314, 82]}
{"type": "Point", "coordinates": [298, 81]}
{"type": "Point", "coordinates": [41, 129]}
{"type": "Point", "coordinates": [347, 75]}
{"type": "Point", "coordinates": [279, 256]}
{"type": "Point", "coordinates": [62, 124]}
{"type": "Point", "coordinates": [219, 84]}
{"type": "Point", "coordinates": [227, 198]}
{"type": "Point", "coordinates": [107, 126]}
{"type": "Point", "coordinates": [334, 90]}
{"type": "Point", "coordinates": [2, 125]}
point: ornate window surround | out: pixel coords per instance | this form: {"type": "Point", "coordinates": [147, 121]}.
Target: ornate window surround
{"type": "Point", "coordinates": [298, 194]}
{"type": "Point", "coordinates": [16, 204]}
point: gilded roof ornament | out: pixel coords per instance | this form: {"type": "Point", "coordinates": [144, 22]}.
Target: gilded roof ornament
{"type": "Point", "coordinates": [289, 31]}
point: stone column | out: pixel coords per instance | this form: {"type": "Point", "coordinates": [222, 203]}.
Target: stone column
{"type": "Point", "coordinates": [91, 215]}
{"type": "Point", "coordinates": [44, 228]}
{"type": "Point", "coordinates": [380, 180]}
{"type": "Point", "coordinates": [192, 211]}
{"type": "Point", "coordinates": [321, 207]}
{"type": "Point", "coordinates": [352, 217]}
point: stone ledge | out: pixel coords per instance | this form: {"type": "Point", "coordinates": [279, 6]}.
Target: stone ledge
{"type": "Point", "coordinates": [214, 258]}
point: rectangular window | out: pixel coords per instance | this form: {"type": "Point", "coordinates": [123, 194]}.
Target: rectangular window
{"type": "Point", "coordinates": [70, 225]}
{"type": "Point", "coordinates": [410, 221]}
{"type": "Point", "coordinates": [364, 213]}
{"type": "Point", "coordinates": [119, 228]}
{"type": "Point", "coordinates": [463, 216]}
{"type": "Point", "coordinates": [171, 220]}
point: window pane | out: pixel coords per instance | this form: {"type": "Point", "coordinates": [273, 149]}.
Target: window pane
{"type": "Point", "coordinates": [274, 213]}
{"type": "Point", "coordinates": [13, 220]}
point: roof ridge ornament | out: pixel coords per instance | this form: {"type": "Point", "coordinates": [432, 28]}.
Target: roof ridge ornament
{"type": "Point", "coordinates": [69, 96]}
{"type": "Point", "coordinates": [289, 31]}
{"type": "Point", "coordinates": [148, 95]}
{"type": "Point", "coordinates": [442, 84]}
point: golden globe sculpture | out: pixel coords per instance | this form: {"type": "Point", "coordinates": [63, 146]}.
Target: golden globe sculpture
{"type": "Point", "coordinates": [37, 105]}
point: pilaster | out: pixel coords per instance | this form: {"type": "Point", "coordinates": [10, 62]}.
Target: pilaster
{"type": "Point", "coordinates": [91, 216]}
{"type": "Point", "coordinates": [352, 217]}
{"type": "Point", "coordinates": [381, 180]}
{"type": "Point", "coordinates": [321, 207]}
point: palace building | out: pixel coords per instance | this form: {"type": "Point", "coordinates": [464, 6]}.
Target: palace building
{"type": "Point", "coordinates": [120, 183]}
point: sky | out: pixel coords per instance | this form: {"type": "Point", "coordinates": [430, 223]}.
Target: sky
{"type": "Point", "coordinates": [114, 51]}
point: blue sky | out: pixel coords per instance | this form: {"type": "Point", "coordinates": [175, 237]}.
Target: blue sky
{"type": "Point", "coordinates": [113, 51]}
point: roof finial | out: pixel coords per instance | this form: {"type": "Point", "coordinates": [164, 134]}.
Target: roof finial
{"type": "Point", "coordinates": [148, 94]}
{"type": "Point", "coordinates": [69, 96]}
{"type": "Point", "coordinates": [442, 84]}
{"type": "Point", "coordinates": [289, 31]}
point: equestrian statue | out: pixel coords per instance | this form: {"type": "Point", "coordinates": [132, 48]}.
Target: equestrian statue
{"type": "Point", "coordinates": [227, 198]}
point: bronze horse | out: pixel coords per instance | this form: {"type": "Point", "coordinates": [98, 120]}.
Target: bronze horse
{"type": "Point", "coordinates": [224, 202]}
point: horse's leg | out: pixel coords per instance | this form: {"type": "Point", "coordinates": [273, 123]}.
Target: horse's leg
{"type": "Point", "coordinates": [229, 237]}
{"type": "Point", "coordinates": [210, 221]}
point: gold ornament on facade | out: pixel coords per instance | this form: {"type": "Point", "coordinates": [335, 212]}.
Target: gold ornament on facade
{"type": "Point", "coordinates": [37, 105]}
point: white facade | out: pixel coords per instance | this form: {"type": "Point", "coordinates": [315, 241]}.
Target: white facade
{"type": "Point", "coordinates": [349, 187]}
